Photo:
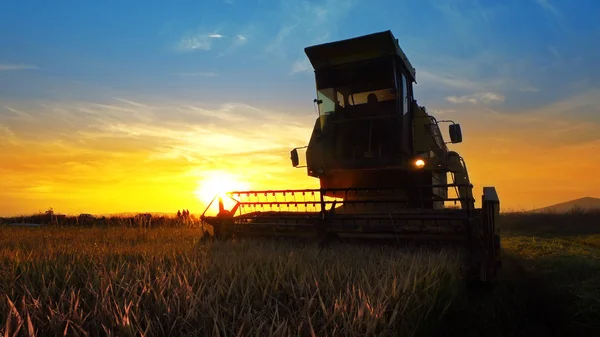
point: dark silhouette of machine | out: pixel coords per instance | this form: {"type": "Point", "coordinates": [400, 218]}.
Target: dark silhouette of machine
{"type": "Point", "coordinates": [384, 168]}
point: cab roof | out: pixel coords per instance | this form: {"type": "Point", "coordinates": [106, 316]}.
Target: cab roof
{"type": "Point", "coordinates": [358, 48]}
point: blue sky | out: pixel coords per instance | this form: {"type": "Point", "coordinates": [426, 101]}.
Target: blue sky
{"type": "Point", "coordinates": [106, 78]}
{"type": "Point", "coordinates": [252, 47]}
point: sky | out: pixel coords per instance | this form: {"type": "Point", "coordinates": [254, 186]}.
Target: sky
{"type": "Point", "coordinates": [109, 107]}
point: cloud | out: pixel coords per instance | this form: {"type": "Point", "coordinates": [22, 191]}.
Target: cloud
{"type": "Point", "coordinates": [165, 127]}
{"type": "Point", "coordinates": [130, 102]}
{"type": "Point", "coordinates": [583, 106]}
{"type": "Point", "coordinates": [305, 23]}
{"type": "Point", "coordinates": [484, 98]}
{"type": "Point", "coordinates": [141, 147]}
{"type": "Point", "coordinates": [301, 66]}
{"type": "Point", "coordinates": [16, 66]}
{"type": "Point", "coordinates": [238, 40]}
{"type": "Point", "coordinates": [547, 6]}
{"type": "Point", "coordinates": [7, 137]}
{"type": "Point", "coordinates": [282, 34]}
{"type": "Point", "coordinates": [481, 71]}
{"type": "Point", "coordinates": [197, 74]}
{"type": "Point", "coordinates": [447, 80]}
{"type": "Point", "coordinates": [553, 11]}
{"type": "Point", "coordinates": [205, 41]}
{"type": "Point", "coordinates": [22, 115]}
{"type": "Point", "coordinates": [533, 138]}
{"type": "Point", "coordinates": [563, 123]}
{"type": "Point", "coordinates": [440, 111]}
{"type": "Point", "coordinates": [149, 147]}
{"type": "Point", "coordinates": [500, 72]}
{"type": "Point", "coordinates": [197, 42]}
{"type": "Point", "coordinates": [529, 89]}
{"type": "Point", "coordinates": [465, 21]}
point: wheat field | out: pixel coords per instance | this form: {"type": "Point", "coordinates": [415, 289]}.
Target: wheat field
{"type": "Point", "coordinates": [159, 282]}
{"type": "Point", "coordinates": [128, 278]}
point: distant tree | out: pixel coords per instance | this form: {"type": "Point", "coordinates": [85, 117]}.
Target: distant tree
{"type": "Point", "coordinates": [48, 215]}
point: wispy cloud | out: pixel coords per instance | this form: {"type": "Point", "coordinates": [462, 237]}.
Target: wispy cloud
{"type": "Point", "coordinates": [584, 106]}
{"type": "Point", "coordinates": [197, 74]}
{"type": "Point", "coordinates": [201, 41]}
{"type": "Point", "coordinates": [7, 137]}
{"type": "Point", "coordinates": [238, 40]}
{"type": "Point", "coordinates": [280, 38]}
{"type": "Point", "coordinates": [16, 66]}
{"type": "Point", "coordinates": [553, 11]}
{"type": "Point", "coordinates": [128, 141]}
{"type": "Point", "coordinates": [466, 20]}
{"type": "Point", "coordinates": [19, 114]}
{"type": "Point", "coordinates": [305, 23]}
{"type": "Point", "coordinates": [533, 138]}
{"type": "Point", "coordinates": [479, 71]}
{"type": "Point", "coordinates": [123, 143]}
{"type": "Point", "coordinates": [441, 111]}
{"type": "Point", "coordinates": [529, 89]}
{"type": "Point", "coordinates": [546, 5]}
{"type": "Point", "coordinates": [173, 125]}
{"type": "Point", "coordinates": [301, 66]}
{"type": "Point", "coordinates": [131, 102]}
{"type": "Point", "coordinates": [205, 41]}
{"type": "Point", "coordinates": [478, 98]}
{"type": "Point", "coordinates": [427, 77]}
{"type": "Point", "coordinates": [484, 72]}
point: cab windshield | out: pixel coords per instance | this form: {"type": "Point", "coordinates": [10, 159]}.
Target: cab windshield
{"type": "Point", "coordinates": [352, 84]}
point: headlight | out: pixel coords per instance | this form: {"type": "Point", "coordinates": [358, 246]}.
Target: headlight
{"type": "Point", "coordinates": [419, 163]}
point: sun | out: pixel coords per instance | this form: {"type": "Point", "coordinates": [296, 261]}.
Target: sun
{"type": "Point", "coordinates": [218, 183]}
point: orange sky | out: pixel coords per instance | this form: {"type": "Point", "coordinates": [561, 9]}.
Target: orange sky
{"type": "Point", "coordinates": [75, 158]}
{"type": "Point", "coordinates": [99, 115]}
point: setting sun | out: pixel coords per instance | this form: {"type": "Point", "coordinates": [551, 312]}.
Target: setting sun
{"type": "Point", "coordinates": [218, 183]}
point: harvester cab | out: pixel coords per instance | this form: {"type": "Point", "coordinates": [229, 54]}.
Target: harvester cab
{"type": "Point", "coordinates": [384, 168]}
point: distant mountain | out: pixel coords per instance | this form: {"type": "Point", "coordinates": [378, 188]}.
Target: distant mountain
{"type": "Point", "coordinates": [586, 203]}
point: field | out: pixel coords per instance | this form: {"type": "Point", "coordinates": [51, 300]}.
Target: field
{"type": "Point", "coordinates": [126, 279]}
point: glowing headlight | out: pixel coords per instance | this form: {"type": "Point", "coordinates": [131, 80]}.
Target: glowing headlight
{"type": "Point", "coordinates": [419, 163]}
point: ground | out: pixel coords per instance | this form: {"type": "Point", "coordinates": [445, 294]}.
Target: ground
{"type": "Point", "coordinates": [165, 281]}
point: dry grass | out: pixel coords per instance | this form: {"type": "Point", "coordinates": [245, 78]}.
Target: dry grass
{"type": "Point", "coordinates": [112, 279]}
{"type": "Point", "coordinates": [90, 281]}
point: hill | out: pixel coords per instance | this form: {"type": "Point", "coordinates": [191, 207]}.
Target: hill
{"type": "Point", "coordinates": [586, 203]}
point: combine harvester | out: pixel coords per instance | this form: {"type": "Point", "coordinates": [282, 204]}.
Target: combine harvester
{"type": "Point", "coordinates": [384, 168]}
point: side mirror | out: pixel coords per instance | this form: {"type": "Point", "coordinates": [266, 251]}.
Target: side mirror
{"type": "Point", "coordinates": [455, 133]}
{"type": "Point", "coordinates": [294, 157]}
